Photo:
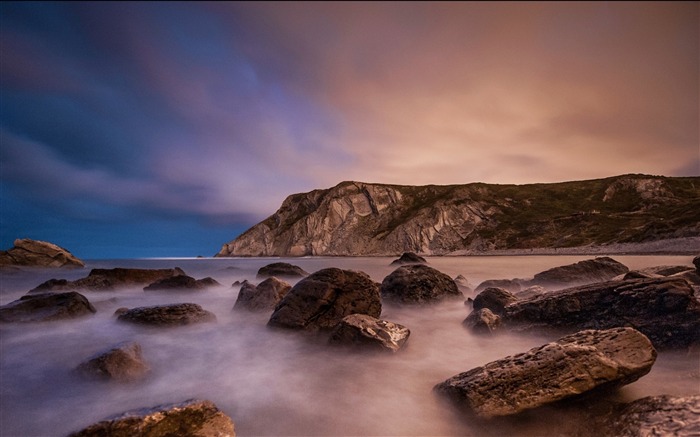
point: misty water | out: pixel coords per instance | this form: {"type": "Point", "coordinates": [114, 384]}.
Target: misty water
{"type": "Point", "coordinates": [273, 382]}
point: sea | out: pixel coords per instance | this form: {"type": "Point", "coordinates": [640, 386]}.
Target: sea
{"type": "Point", "coordinates": [280, 383]}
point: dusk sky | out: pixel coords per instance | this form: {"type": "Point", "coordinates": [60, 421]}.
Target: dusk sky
{"type": "Point", "coordinates": [166, 129]}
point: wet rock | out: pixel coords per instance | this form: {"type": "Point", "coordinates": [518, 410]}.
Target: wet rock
{"type": "Point", "coordinates": [109, 279]}
{"type": "Point", "coordinates": [123, 362]}
{"type": "Point", "coordinates": [264, 297]}
{"type": "Point", "coordinates": [657, 416]}
{"type": "Point", "coordinates": [583, 363]}
{"type": "Point", "coordinates": [512, 285]}
{"type": "Point", "coordinates": [167, 315]}
{"type": "Point", "coordinates": [493, 298]}
{"type": "Point", "coordinates": [580, 273]}
{"type": "Point", "coordinates": [367, 332]}
{"type": "Point", "coordinates": [33, 253]}
{"type": "Point", "coordinates": [409, 258]}
{"type": "Point", "coordinates": [482, 321]}
{"type": "Point", "coordinates": [181, 283]}
{"type": "Point", "coordinates": [418, 284]}
{"type": "Point", "coordinates": [321, 300]}
{"type": "Point", "coordinates": [194, 418]}
{"type": "Point", "coordinates": [664, 309]}
{"type": "Point", "coordinates": [282, 270]}
{"type": "Point", "coordinates": [47, 307]}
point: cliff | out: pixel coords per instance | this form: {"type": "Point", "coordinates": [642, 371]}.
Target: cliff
{"type": "Point", "coordinates": [355, 218]}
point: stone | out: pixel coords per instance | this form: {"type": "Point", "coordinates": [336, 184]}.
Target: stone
{"type": "Point", "coordinates": [482, 321]}
{"type": "Point", "coordinates": [181, 283]}
{"type": "Point", "coordinates": [418, 284]}
{"type": "Point", "coordinates": [493, 298]}
{"type": "Point", "coordinates": [530, 292]}
{"type": "Point", "coordinates": [657, 416]}
{"type": "Point", "coordinates": [264, 297]}
{"type": "Point", "coordinates": [46, 307]}
{"type": "Point", "coordinates": [192, 418]}
{"type": "Point", "coordinates": [663, 309]}
{"type": "Point", "coordinates": [123, 362]}
{"type": "Point", "coordinates": [587, 362]}
{"type": "Point", "coordinates": [409, 258]}
{"type": "Point", "coordinates": [463, 284]}
{"type": "Point", "coordinates": [33, 253]}
{"type": "Point", "coordinates": [369, 333]}
{"type": "Point", "coordinates": [281, 270]}
{"type": "Point", "coordinates": [109, 279]}
{"type": "Point", "coordinates": [322, 299]}
{"type": "Point", "coordinates": [696, 263]}
{"type": "Point", "coordinates": [512, 285]}
{"type": "Point", "coordinates": [167, 315]}
{"type": "Point", "coordinates": [580, 273]}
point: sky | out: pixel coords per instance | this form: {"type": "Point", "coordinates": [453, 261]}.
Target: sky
{"type": "Point", "coordinates": [162, 129]}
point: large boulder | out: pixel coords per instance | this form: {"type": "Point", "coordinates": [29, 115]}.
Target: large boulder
{"type": "Point", "coordinates": [580, 273]}
{"type": "Point", "coordinates": [35, 253]}
{"type": "Point", "coordinates": [109, 279]}
{"type": "Point", "coordinates": [664, 309]}
{"type": "Point", "coordinates": [46, 307]}
{"type": "Point", "coordinates": [367, 332]}
{"type": "Point", "coordinates": [281, 270]}
{"type": "Point", "coordinates": [123, 362]}
{"type": "Point", "coordinates": [194, 418]}
{"type": "Point", "coordinates": [493, 298]}
{"type": "Point", "coordinates": [418, 284]}
{"type": "Point", "coordinates": [321, 300]}
{"type": "Point", "coordinates": [263, 297]}
{"type": "Point", "coordinates": [582, 363]}
{"type": "Point", "coordinates": [167, 315]}
{"type": "Point", "coordinates": [181, 283]}
{"type": "Point", "coordinates": [657, 416]}
{"type": "Point", "coordinates": [409, 258]}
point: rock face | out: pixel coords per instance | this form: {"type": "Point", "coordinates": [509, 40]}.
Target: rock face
{"type": "Point", "coordinates": [195, 418]}
{"type": "Point", "coordinates": [264, 297]}
{"type": "Point", "coordinates": [658, 416]}
{"type": "Point", "coordinates": [167, 315]}
{"type": "Point", "coordinates": [109, 279]}
{"type": "Point", "coordinates": [181, 283]}
{"type": "Point", "coordinates": [493, 298]}
{"type": "Point", "coordinates": [282, 270]}
{"type": "Point", "coordinates": [321, 300]}
{"type": "Point", "coordinates": [34, 253]}
{"type": "Point", "coordinates": [367, 332]}
{"type": "Point", "coordinates": [664, 309]}
{"type": "Point", "coordinates": [409, 258]}
{"type": "Point", "coordinates": [418, 284]}
{"type": "Point", "coordinates": [356, 218]}
{"type": "Point", "coordinates": [571, 366]}
{"type": "Point", "coordinates": [123, 362]}
{"type": "Point", "coordinates": [583, 272]}
{"type": "Point", "coordinates": [46, 307]}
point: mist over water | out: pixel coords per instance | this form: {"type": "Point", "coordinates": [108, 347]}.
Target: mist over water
{"type": "Point", "coordinates": [273, 382]}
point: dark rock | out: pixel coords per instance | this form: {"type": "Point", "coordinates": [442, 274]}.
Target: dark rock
{"type": "Point", "coordinates": [123, 362]}
{"type": "Point", "coordinates": [46, 307]}
{"type": "Point", "coordinates": [530, 292]}
{"type": "Point", "coordinates": [281, 270]}
{"type": "Point", "coordinates": [167, 315]}
{"type": "Point", "coordinates": [321, 300]}
{"type": "Point", "coordinates": [409, 258]}
{"type": "Point", "coordinates": [34, 253]}
{"type": "Point", "coordinates": [493, 298]}
{"type": "Point", "coordinates": [580, 273]}
{"type": "Point", "coordinates": [696, 263]}
{"type": "Point", "coordinates": [663, 309]}
{"type": "Point", "coordinates": [482, 321]}
{"type": "Point", "coordinates": [512, 285]}
{"type": "Point", "coordinates": [463, 284]}
{"type": "Point", "coordinates": [418, 284]}
{"type": "Point", "coordinates": [195, 418]}
{"type": "Point", "coordinates": [367, 332]}
{"type": "Point", "coordinates": [264, 297]}
{"type": "Point", "coordinates": [583, 363]}
{"type": "Point", "coordinates": [109, 279]}
{"type": "Point", "coordinates": [657, 416]}
{"type": "Point", "coordinates": [180, 283]}
{"type": "Point", "coordinates": [689, 275]}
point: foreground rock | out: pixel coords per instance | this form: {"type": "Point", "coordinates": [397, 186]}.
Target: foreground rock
{"type": "Point", "coordinates": [580, 273]}
{"type": "Point", "coordinates": [46, 307]}
{"type": "Point", "coordinates": [264, 297]}
{"type": "Point", "coordinates": [409, 258]}
{"type": "Point", "coordinates": [167, 315]}
{"type": "Point", "coordinates": [321, 300]}
{"type": "Point", "coordinates": [181, 283]}
{"type": "Point", "coordinates": [580, 363]}
{"type": "Point", "coordinates": [194, 418]}
{"type": "Point", "coordinates": [109, 279]}
{"type": "Point", "coordinates": [658, 416]}
{"type": "Point", "coordinates": [124, 362]}
{"type": "Point", "coordinates": [418, 284]}
{"type": "Point", "coordinates": [367, 332]}
{"type": "Point", "coordinates": [664, 309]}
{"type": "Point", "coordinates": [35, 253]}
{"type": "Point", "coordinates": [281, 270]}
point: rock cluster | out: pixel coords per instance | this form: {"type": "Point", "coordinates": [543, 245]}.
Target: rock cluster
{"type": "Point", "coordinates": [264, 296]}
{"type": "Point", "coordinates": [33, 253]}
{"type": "Point", "coordinates": [109, 279]}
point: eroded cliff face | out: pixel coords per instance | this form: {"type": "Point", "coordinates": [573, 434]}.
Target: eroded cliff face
{"type": "Point", "coordinates": [355, 218]}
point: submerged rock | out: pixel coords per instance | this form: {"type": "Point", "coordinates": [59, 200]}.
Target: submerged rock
{"type": "Point", "coordinates": [264, 297]}
{"type": "Point", "coordinates": [409, 258]}
{"type": "Point", "coordinates": [181, 283]}
{"type": "Point", "coordinates": [282, 270]}
{"type": "Point", "coordinates": [367, 332]}
{"type": "Point", "coordinates": [577, 364]}
{"type": "Point", "coordinates": [657, 416]}
{"type": "Point", "coordinates": [123, 362]}
{"type": "Point", "coordinates": [580, 273]}
{"type": "Point", "coordinates": [194, 418]}
{"type": "Point", "coordinates": [321, 300]}
{"type": "Point", "coordinates": [167, 315]}
{"type": "Point", "coordinates": [109, 279]}
{"type": "Point", "coordinates": [418, 284]}
{"type": "Point", "coordinates": [46, 307]}
{"type": "Point", "coordinates": [35, 253]}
